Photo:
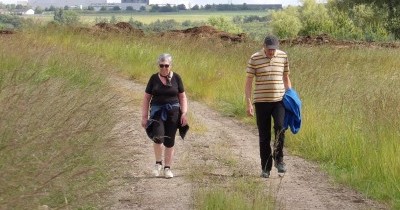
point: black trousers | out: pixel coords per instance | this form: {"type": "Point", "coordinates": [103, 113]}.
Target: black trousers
{"type": "Point", "coordinates": [166, 130]}
{"type": "Point", "coordinates": [264, 112]}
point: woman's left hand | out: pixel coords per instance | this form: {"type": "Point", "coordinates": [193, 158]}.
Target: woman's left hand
{"type": "Point", "coordinates": [183, 119]}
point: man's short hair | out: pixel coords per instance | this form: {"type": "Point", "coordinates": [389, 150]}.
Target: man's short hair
{"type": "Point", "coordinates": [271, 42]}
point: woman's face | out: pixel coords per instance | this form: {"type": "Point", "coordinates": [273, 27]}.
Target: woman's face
{"type": "Point", "coordinates": [165, 67]}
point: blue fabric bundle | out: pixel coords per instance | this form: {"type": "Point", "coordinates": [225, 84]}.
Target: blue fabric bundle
{"type": "Point", "coordinates": [292, 104]}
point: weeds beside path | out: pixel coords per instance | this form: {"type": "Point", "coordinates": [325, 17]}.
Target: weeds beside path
{"type": "Point", "coordinates": [219, 153]}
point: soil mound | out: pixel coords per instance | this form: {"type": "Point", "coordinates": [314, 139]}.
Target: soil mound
{"type": "Point", "coordinates": [206, 32]}
{"type": "Point", "coordinates": [3, 32]}
{"type": "Point", "coordinates": [325, 39]}
{"type": "Point", "coordinates": [121, 27]}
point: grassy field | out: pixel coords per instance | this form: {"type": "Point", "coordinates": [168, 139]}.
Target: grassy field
{"type": "Point", "coordinates": [152, 17]}
{"type": "Point", "coordinates": [351, 113]}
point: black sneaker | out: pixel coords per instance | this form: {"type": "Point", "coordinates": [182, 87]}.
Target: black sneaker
{"type": "Point", "coordinates": [280, 165]}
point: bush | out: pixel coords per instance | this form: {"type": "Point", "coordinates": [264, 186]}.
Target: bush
{"type": "Point", "coordinates": [165, 25]}
{"type": "Point", "coordinates": [8, 21]}
{"type": "Point", "coordinates": [135, 23]}
{"type": "Point", "coordinates": [286, 23]}
{"type": "Point", "coordinates": [67, 17]}
{"type": "Point", "coordinates": [371, 20]}
{"type": "Point", "coordinates": [223, 24]}
{"type": "Point", "coordinates": [315, 18]}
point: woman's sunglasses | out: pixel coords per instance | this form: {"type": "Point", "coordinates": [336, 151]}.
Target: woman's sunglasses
{"type": "Point", "coordinates": [164, 65]}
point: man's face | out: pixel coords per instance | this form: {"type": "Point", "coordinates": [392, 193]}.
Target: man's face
{"type": "Point", "coordinates": [269, 52]}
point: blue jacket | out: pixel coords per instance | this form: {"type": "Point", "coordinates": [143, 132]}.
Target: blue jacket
{"type": "Point", "coordinates": [292, 104]}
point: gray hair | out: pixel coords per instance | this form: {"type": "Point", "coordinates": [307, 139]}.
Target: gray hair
{"type": "Point", "coordinates": [165, 57]}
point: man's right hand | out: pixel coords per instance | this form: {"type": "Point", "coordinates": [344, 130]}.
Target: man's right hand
{"type": "Point", "coordinates": [250, 110]}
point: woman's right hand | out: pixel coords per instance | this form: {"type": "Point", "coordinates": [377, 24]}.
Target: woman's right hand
{"type": "Point", "coordinates": [144, 122]}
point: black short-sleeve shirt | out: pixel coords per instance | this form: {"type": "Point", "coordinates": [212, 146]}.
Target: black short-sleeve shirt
{"type": "Point", "coordinates": [162, 94]}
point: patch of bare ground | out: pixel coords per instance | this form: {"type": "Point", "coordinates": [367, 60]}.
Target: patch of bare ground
{"type": "Point", "coordinates": [217, 150]}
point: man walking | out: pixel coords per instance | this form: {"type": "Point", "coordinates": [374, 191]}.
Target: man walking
{"type": "Point", "coordinates": [270, 68]}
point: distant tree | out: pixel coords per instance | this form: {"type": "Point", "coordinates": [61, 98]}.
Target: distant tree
{"type": "Point", "coordinates": [195, 7]}
{"type": "Point", "coordinates": [129, 8]}
{"type": "Point", "coordinates": [207, 7]}
{"type": "Point", "coordinates": [181, 7]}
{"type": "Point", "coordinates": [38, 10]}
{"type": "Point", "coordinates": [168, 8]}
{"type": "Point", "coordinates": [19, 6]}
{"type": "Point", "coordinates": [103, 8]}
{"type": "Point", "coordinates": [142, 8]}
{"type": "Point", "coordinates": [155, 8]}
{"type": "Point", "coordinates": [244, 7]}
{"type": "Point", "coordinates": [90, 8]}
{"type": "Point", "coordinates": [66, 7]}
{"type": "Point", "coordinates": [116, 8]}
{"type": "Point", "coordinates": [52, 8]}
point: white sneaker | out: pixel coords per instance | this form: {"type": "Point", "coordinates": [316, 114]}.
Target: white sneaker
{"type": "Point", "coordinates": [157, 170]}
{"type": "Point", "coordinates": [168, 173]}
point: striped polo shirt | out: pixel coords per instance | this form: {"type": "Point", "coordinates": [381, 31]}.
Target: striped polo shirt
{"type": "Point", "coordinates": [268, 72]}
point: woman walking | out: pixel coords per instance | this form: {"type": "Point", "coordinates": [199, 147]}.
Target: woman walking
{"type": "Point", "coordinates": [165, 97]}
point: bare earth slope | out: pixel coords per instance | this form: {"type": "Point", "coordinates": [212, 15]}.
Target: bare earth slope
{"type": "Point", "coordinates": [303, 187]}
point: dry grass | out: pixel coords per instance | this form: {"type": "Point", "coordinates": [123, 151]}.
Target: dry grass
{"type": "Point", "coordinates": [55, 115]}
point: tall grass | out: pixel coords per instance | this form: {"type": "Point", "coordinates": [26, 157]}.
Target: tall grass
{"type": "Point", "coordinates": [352, 116]}
{"type": "Point", "coordinates": [55, 117]}
{"type": "Point", "coordinates": [350, 96]}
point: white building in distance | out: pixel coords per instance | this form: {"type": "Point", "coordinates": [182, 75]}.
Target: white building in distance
{"type": "Point", "coordinates": [97, 4]}
{"type": "Point", "coordinates": [63, 3]}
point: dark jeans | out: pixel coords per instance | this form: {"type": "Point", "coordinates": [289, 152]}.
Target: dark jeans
{"type": "Point", "coordinates": [264, 112]}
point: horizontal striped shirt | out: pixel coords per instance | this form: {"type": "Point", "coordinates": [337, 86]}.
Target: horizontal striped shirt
{"type": "Point", "coordinates": [268, 72]}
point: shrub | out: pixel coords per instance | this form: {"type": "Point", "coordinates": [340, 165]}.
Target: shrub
{"type": "Point", "coordinates": [67, 17]}
{"type": "Point", "coordinates": [8, 21]}
{"type": "Point", "coordinates": [286, 23]}
{"type": "Point", "coordinates": [159, 26]}
{"type": "Point", "coordinates": [315, 18]}
{"type": "Point", "coordinates": [223, 24]}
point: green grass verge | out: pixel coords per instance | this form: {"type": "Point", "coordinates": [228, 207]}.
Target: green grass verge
{"type": "Point", "coordinates": [55, 117]}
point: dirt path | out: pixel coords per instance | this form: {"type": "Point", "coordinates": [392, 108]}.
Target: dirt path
{"type": "Point", "coordinates": [212, 137]}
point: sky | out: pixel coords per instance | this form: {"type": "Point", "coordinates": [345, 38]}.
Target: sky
{"type": "Point", "coordinates": [204, 2]}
